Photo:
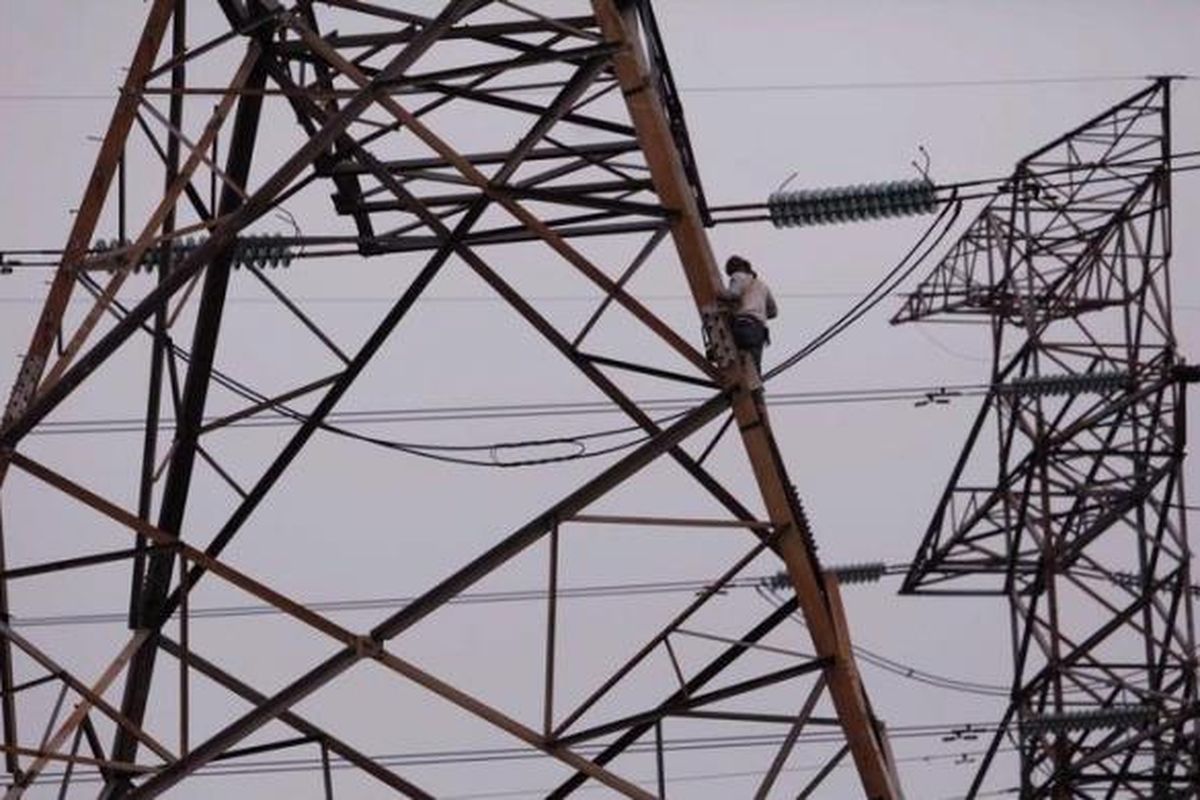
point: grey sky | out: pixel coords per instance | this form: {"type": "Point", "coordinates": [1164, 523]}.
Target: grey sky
{"type": "Point", "coordinates": [758, 83]}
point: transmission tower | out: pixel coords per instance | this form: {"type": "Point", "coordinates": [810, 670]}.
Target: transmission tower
{"type": "Point", "coordinates": [1076, 513]}
{"type": "Point", "coordinates": [573, 139]}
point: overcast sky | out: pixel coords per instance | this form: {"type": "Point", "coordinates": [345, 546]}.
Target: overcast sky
{"type": "Point", "coordinates": [769, 89]}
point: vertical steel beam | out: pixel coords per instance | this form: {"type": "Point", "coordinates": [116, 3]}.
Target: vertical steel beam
{"type": "Point", "coordinates": [551, 631]}
{"type": "Point", "coordinates": [159, 345]}
{"type": "Point", "coordinates": [8, 704]}
{"type": "Point", "coordinates": [195, 394]}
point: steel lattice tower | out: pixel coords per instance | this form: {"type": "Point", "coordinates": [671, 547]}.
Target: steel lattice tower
{"type": "Point", "coordinates": [1081, 526]}
{"type": "Point", "coordinates": [576, 137]}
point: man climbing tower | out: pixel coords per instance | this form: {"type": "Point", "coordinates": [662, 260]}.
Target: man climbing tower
{"type": "Point", "coordinates": [752, 305]}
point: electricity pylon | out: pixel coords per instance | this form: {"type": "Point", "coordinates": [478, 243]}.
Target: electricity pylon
{"type": "Point", "coordinates": [1075, 511]}
{"type": "Point", "coordinates": [573, 138]}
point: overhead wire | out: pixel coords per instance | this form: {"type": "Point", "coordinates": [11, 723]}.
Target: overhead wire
{"type": "Point", "coordinates": [760, 584]}
{"type": "Point", "coordinates": [455, 453]}
{"type": "Point", "coordinates": [584, 592]}
{"type": "Point", "coordinates": [442, 452]}
{"type": "Point", "coordinates": [447, 453]}
{"type": "Point", "coordinates": [991, 193]}
{"type": "Point", "coordinates": [905, 670]}
{"type": "Point", "coordinates": [528, 410]}
{"type": "Point", "coordinates": [876, 294]}
{"type": "Point", "coordinates": [999, 184]}
{"type": "Point", "coordinates": [226, 767]}
{"type": "Point", "coordinates": [388, 603]}
{"type": "Point", "coordinates": [966, 83]}
{"type": "Point", "coordinates": [768, 591]}
{"type": "Point", "coordinates": [562, 298]}
{"type": "Point", "coordinates": [428, 451]}
{"type": "Point", "coordinates": [835, 86]}
{"type": "Point", "coordinates": [958, 758]}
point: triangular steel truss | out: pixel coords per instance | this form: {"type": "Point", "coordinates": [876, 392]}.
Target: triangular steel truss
{"type": "Point", "coordinates": [492, 136]}
{"type": "Point", "coordinates": [1075, 514]}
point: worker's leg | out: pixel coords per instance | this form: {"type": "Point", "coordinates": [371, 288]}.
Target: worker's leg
{"type": "Point", "coordinates": [749, 335]}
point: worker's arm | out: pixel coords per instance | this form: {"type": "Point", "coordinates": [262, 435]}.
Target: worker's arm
{"type": "Point", "coordinates": [737, 284]}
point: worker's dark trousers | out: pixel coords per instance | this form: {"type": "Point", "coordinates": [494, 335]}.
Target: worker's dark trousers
{"type": "Point", "coordinates": [750, 335]}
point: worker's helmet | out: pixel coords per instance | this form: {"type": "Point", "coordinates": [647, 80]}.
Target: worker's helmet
{"type": "Point", "coordinates": [737, 264]}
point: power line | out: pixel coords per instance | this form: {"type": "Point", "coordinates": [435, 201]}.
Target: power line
{"type": "Point", "coordinates": [520, 453]}
{"type": "Point", "coordinates": [471, 299]}
{"type": "Point", "coordinates": [274, 766]}
{"type": "Point", "coordinates": [563, 298]}
{"type": "Point", "coordinates": [907, 671]}
{"type": "Point", "coordinates": [1000, 184]}
{"type": "Point", "coordinates": [760, 584]}
{"type": "Point", "coordinates": [21, 97]}
{"type": "Point", "coordinates": [830, 86]}
{"type": "Point", "coordinates": [534, 410]}
{"type": "Point", "coordinates": [997, 185]}
{"type": "Point", "coordinates": [388, 603]}
{"type": "Point", "coordinates": [958, 758]}
{"type": "Point", "coordinates": [455, 454]}
{"type": "Point", "coordinates": [882, 289]}
{"type": "Point", "coordinates": [844, 86]}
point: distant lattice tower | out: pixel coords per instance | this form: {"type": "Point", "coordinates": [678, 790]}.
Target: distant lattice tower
{"type": "Point", "coordinates": [505, 139]}
{"type": "Point", "coordinates": [1079, 522]}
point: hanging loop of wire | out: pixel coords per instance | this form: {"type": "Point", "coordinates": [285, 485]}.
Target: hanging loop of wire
{"type": "Point", "coordinates": [460, 454]}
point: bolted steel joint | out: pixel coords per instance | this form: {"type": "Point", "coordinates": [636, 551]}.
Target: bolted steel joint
{"type": "Point", "coordinates": [24, 387]}
{"type": "Point", "coordinates": [718, 337]}
{"type": "Point", "coordinates": [366, 647]}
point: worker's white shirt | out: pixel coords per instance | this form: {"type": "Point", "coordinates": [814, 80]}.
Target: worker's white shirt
{"type": "Point", "coordinates": [753, 297]}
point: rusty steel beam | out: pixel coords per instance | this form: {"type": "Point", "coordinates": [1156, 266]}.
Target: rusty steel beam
{"type": "Point", "coordinates": [83, 690]}
{"type": "Point", "coordinates": [823, 616]}
{"type": "Point", "coordinates": [33, 363]}
{"type": "Point", "coordinates": [251, 695]}
{"type": "Point", "coordinates": [165, 211]}
{"type": "Point", "coordinates": [79, 240]}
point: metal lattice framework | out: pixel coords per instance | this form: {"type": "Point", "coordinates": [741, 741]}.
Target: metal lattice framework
{"type": "Point", "coordinates": [1081, 526]}
{"type": "Point", "coordinates": [573, 136]}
